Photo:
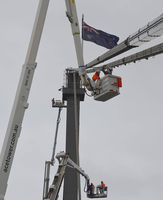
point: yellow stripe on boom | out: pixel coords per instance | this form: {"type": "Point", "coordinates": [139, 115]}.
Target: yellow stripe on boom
{"type": "Point", "coordinates": [73, 1]}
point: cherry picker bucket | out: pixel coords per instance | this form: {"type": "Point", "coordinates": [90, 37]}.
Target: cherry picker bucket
{"type": "Point", "coordinates": [108, 87]}
{"type": "Point", "coordinates": [100, 192]}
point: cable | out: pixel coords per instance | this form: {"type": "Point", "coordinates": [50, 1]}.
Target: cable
{"type": "Point", "coordinates": [76, 131]}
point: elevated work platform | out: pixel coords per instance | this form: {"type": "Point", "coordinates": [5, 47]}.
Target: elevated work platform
{"type": "Point", "coordinates": [108, 88]}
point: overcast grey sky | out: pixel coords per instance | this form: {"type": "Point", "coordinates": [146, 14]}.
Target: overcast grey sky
{"type": "Point", "coordinates": [120, 140]}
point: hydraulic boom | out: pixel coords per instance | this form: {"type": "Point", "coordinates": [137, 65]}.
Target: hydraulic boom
{"type": "Point", "coordinates": [64, 162]}
{"type": "Point", "coordinates": [20, 103]}
{"type": "Point", "coordinates": [145, 34]}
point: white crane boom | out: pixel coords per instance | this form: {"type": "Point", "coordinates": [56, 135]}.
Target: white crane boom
{"type": "Point", "coordinates": [73, 18]}
{"type": "Point", "coordinates": [145, 54]}
{"type": "Point", "coordinates": [149, 32]}
{"type": "Point", "coordinates": [20, 103]}
{"type": "Point", "coordinates": [64, 162]}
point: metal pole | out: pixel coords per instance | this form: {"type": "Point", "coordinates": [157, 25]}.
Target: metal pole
{"type": "Point", "coordinates": [71, 180]}
{"type": "Point", "coordinates": [76, 131]}
{"type": "Point", "coordinates": [73, 18]}
{"type": "Point", "coordinates": [56, 134]}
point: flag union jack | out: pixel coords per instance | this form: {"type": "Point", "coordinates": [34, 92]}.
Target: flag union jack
{"type": "Point", "coordinates": [99, 37]}
{"type": "Point", "coordinates": [89, 28]}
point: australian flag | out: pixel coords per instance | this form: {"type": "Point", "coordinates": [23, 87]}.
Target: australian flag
{"type": "Point", "coordinates": [99, 37]}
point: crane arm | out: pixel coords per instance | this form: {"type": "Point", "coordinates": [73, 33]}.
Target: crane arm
{"type": "Point", "coordinates": [64, 162]}
{"type": "Point", "coordinates": [145, 54]}
{"type": "Point", "coordinates": [73, 19]}
{"type": "Point", "coordinates": [78, 169]}
{"type": "Point", "coordinates": [20, 102]}
{"type": "Point", "coordinates": [72, 164]}
{"type": "Point", "coordinates": [145, 34]}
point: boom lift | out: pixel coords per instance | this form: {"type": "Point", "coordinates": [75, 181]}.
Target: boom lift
{"type": "Point", "coordinates": [152, 30]}
{"type": "Point", "coordinates": [64, 162]}
{"type": "Point", "coordinates": [108, 86]}
{"type": "Point", "coordinates": [60, 105]}
{"type": "Point", "coordinates": [51, 193]}
{"type": "Point", "coordinates": [145, 54]}
{"type": "Point", "coordinates": [103, 89]}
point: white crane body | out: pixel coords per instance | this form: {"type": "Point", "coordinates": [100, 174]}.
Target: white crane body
{"type": "Point", "coordinates": [20, 103]}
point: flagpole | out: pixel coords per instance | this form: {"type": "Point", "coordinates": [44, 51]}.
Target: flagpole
{"type": "Point", "coordinates": [82, 34]}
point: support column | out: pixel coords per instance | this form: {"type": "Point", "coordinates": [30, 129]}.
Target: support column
{"type": "Point", "coordinates": [71, 181]}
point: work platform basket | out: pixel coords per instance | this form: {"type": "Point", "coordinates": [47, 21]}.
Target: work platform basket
{"type": "Point", "coordinates": [107, 87]}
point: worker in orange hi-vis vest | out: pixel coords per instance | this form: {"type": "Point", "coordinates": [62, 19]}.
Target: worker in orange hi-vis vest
{"type": "Point", "coordinates": [92, 188]}
{"type": "Point", "coordinates": [103, 184]}
{"type": "Point", "coordinates": [96, 76]}
{"type": "Point", "coordinates": [102, 187]}
{"type": "Point", "coordinates": [96, 79]}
